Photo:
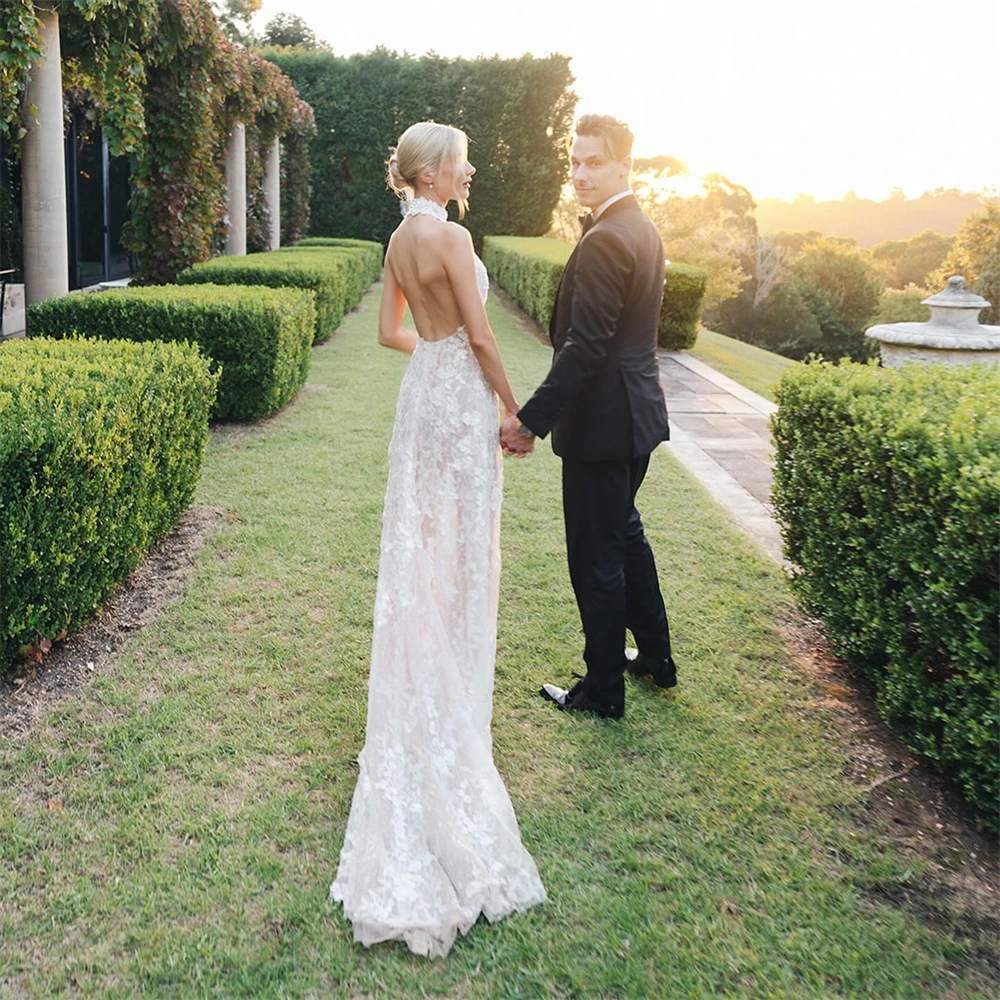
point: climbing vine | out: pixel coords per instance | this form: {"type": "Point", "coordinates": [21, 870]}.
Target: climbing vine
{"type": "Point", "coordinates": [167, 87]}
{"type": "Point", "coordinates": [297, 174]}
{"type": "Point", "coordinates": [20, 30]}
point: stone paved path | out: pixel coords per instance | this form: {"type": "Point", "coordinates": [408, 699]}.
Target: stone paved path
{"type": "Point", "coordinates": [718, 430]}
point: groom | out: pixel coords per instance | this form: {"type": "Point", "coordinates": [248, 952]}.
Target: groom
{"type": "Point", "coordinates": [603, 403]}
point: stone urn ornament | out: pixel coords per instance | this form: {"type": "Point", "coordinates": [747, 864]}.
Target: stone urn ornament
{"type": "Point", "coordinates": [952, 336]}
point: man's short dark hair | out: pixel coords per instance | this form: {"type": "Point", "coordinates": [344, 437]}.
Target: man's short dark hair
{"type": "Point", "coordinates": [617, 135]}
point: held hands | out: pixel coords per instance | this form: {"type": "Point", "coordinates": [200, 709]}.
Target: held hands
{"type": "Point", "coordinates": [514, 440]}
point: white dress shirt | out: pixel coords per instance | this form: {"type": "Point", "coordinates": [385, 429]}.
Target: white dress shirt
{"type": "Point", "coordinates": [607, 204]}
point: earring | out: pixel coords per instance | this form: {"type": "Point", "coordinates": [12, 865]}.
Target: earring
{"type": "Point", "coordinates": [431, 184]}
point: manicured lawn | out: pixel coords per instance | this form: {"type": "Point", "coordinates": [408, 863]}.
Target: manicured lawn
{"type": "Point", "coordinates": [703, 847]}
{"type": "Point", "coordinates": [556, 251]}
{"type": "Point", "coordinates": [751, 366]}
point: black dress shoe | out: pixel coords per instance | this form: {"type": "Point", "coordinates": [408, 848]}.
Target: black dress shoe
{"type": "Point", "coordinates": [663, 672]}
{"type": "Point", "coordinates": [560, 695]}
{"type": "Point", "coordinates": [577, 700]}
{"type": "Point", "coordinates": [582, 702]}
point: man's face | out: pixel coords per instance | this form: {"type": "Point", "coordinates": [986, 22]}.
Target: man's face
{"type": "Point", "coordinates": [596, 177]}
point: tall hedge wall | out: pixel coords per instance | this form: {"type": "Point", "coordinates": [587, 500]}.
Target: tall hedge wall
{"type": "Point", "coordinates": [100, 450]}
{"type": "Point", "coordinates": [517, 113]}
{"type": "Point", "coordinates": [887, 484]}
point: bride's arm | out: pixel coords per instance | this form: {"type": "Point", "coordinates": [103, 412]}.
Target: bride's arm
{"type": "Point", "coordinates": [391, 310]}
{"type": "Point", "coordinates": [460, 264]}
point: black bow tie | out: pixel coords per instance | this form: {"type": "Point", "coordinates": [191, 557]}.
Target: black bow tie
{"type": "Point", "coordinates": [586, 221]}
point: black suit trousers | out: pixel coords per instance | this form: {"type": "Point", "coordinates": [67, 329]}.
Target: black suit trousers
{"type": "Point", "coordinates": [612, 570]}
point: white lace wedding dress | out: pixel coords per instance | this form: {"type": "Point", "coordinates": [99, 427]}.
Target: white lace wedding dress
{"type": "Point", "coordinates": [432, 840]}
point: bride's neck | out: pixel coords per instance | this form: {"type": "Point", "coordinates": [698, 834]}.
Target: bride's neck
{"type": "Point", "coordinates": [430, 195]}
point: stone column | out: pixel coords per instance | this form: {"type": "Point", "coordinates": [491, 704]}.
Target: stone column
{"type": "Point", "coordinates": [43, 172]}
{"type": "Point", "coordinates": [236, 190]}
{"type": "Point", "coordinates": [272, 192]}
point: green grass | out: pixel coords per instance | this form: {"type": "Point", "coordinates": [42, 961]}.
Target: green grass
{"type": "Point", "coordinates": [555, 251]}
{"type": "Point", "coordinates": [703, 847]}
{"type": "Point", "coordinates": [751, 366]}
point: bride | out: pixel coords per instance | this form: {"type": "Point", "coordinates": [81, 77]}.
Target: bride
{"type": "Point", "coordinates": [432, 840]}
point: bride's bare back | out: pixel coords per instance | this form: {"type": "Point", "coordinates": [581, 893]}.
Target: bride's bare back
{"type": "Point", "coordinates": [419, 254]}
{"type": "Point", "coordinates": [430, 266]}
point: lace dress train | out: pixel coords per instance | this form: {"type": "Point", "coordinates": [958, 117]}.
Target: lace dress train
{"type": "Point", "coordinates": [432, 840]}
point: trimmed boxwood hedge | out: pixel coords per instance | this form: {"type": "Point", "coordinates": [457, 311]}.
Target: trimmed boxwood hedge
{"type": "Point", "coordinates": [369, 249]}
{"type": "Point", "coordinates": [338, 276]}
{"type": "Point", "coordinates": [529, 269]}
{"type": "Point", "coordinates": [887, 482]}
{"type": "Point", "coordinates": [359, 273]}
{"type": "Point", "coordinates": [101, 445]}
{"type": "Point", "coordinates": [326, 277]}
{"type": "Point", "coordinates": [260, 337]}
{"type": "Point", "coordinates": [683, 293]}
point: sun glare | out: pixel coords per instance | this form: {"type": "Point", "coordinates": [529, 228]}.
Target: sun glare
{"type": "Point", "coordinates": [780, 98]}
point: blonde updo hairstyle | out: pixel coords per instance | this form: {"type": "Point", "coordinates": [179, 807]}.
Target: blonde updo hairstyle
{"type": "Point", "coordinates": [425, 146]}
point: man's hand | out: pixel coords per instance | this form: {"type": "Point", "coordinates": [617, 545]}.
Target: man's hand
{"type": "Point", "coordinates": [515, 438]}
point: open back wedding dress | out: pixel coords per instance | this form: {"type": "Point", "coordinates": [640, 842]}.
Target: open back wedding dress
{"type": "Point", "coordinates": [432, 840]}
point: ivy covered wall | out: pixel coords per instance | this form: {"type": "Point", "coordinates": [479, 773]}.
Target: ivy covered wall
{"type": "Point", "coordinates": [167, 86]}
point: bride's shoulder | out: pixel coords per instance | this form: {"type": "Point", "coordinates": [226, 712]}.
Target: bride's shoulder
{"type": "Point", "coordinates": [458, 237]}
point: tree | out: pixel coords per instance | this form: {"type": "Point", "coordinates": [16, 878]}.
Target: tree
{"type": "Point", "coordinates": [784, 323]}
{"type": "Point", "coordinates": [792, 243]}
{"type": "Point", "coordinates": [908, 262]}
{"type": "Point", "coordinates": [769, 263]}
{"type": "Point", "coordinates": [988, 285]}
{"type": "Point", "coordinates": [234, 18]}
{"type": "Point", "coordinates": [842, 290]}
{"type": "Point", "coordinates": [714, 231]}
{"type": "Point", "coordinates": [871, 222]}
{"type": "Point", "coordinates": [975, 255]}
{"type": "Point", "coordinates": [734, 206]}
{"type": "Point", "coordinates": [565, 223]}
{"type": "Point", "coordinates": [902, 306]}
{"type": "Point", "coordinates": [820, 301]}
{"type": "Point", "coordinates": [290, 29]}
{"type": "Point", "coordinates": [664, 166]}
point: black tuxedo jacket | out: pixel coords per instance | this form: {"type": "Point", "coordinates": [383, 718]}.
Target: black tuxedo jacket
{"type": "Point", "coordinates": [602, 398]}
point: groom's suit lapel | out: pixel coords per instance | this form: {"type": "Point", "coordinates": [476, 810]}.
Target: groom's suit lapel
{"type": "Point", "coordinates": [587, 222]}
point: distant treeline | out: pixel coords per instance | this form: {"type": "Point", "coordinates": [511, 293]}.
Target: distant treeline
{"type": "Point", "coordinates": [870, 222]}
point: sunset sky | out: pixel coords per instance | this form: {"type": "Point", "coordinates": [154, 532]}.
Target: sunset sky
{"type": "Point", "coordinates": [802, 96]}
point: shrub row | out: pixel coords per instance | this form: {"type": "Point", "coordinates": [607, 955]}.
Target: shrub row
{"type": "Point", "coordinates": [683, 293]}
{"type": "Point", "coordinates": [338, 276]}
{"type": "Point", "coordinates": [260, 338]}
{"type": "Point", "coordinates": [358, 262]}
{"type": "Point", "coordinates": [100, 450]}
{"type": "Point", "coordinates": [886, 484]}
{"type": "Point", "coordinates": [369, 249]}
{"type": "Point", "coordinates": [529, 269]}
